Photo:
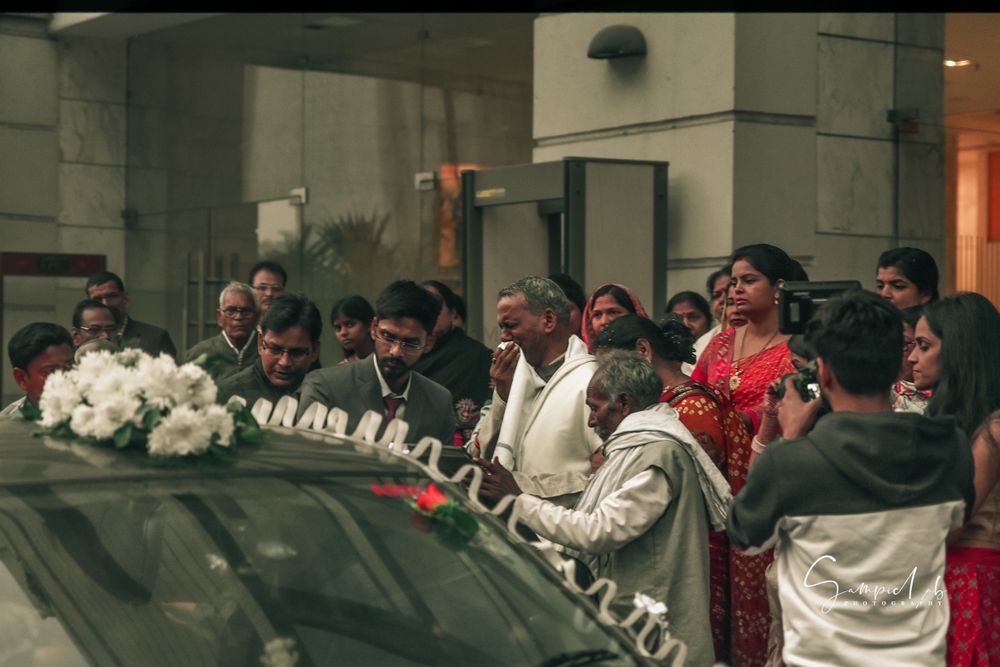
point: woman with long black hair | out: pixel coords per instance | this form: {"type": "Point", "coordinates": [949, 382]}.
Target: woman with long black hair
{"type": "Point", "coordinates": [957, 356]}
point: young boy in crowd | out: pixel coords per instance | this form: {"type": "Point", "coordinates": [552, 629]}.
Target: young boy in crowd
{"type": "Point", "coordinates": [860, 505]}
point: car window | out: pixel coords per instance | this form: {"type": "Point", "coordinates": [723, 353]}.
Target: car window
{"type": "Point", "coordinates": [336, 569]}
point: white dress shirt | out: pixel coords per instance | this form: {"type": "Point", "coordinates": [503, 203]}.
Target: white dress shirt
{"type": "Point", "coordinates": [387, 391]}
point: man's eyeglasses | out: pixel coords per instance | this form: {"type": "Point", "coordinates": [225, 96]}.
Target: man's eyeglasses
{"type": "Point", "coordinates": [408, 344]}
{"type": "Point", "coordinates": [269, 289]}
{"type": "Point", "coordinates": [111, 331]}
{"type": "Point", "coordinates": [232, 312]}
{"type": "Point", "coordinates": [294, 353]}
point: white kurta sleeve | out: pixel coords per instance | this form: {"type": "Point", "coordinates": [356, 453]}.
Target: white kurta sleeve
{"type": "Point", "coordinates": [618, 519]}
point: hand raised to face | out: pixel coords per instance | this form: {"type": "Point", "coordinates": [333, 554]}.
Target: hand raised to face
{"type": "Point", "coordinates": [502, 369]}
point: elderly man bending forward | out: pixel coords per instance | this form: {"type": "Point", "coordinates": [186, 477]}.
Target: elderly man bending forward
{"type": "Point", "coordinates": [643, 517]}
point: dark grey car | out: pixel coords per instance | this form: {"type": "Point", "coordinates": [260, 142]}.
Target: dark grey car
{"type": "Point", "coordinates": [305, 550]}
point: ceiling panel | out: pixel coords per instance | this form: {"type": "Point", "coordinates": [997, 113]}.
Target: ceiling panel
{"type": "Point", "coordinates": [972, 94]}
{"type": "Point", "coordinates": [441, 47]}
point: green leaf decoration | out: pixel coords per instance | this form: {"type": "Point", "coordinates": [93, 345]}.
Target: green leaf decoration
{"type": "Point", "coordinates": [150, 417]}
{"type": "Point", "coordinates": [213, 364]}
{"type": "Point", "coordinates": [249, 434]}
{"type": "Point", "coordinates": [123, 436]}
{"type": "Point", "coordinates": [450, 522]}
{"type": "Point", "coordinates": [30, 412]}
{"type": "Point", "coordinates": [247, 429]}
{"type": "Point", "coordinates": [465, 524]}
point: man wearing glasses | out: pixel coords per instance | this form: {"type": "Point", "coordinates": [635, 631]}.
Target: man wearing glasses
{"type": "Point", "coordinates": [405, 314]}
{"type": "Point", "coordinates": [109, 289]}
{"type": "Point", "coordinates": [268, 280]}
{"type": "Point", "coordinates": [91, 320]}
{"type": "Point", "coordinates": [288, 345]}
{"type": "Point", "coordinates": [235, 348]}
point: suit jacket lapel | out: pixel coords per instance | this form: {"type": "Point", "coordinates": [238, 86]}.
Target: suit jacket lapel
{"type": "Point", "coordinates": [416, 408]}
{"type": "Point", "coordinates": [370, 391]}
{"type": "Point", "coordinates": [371, 396]}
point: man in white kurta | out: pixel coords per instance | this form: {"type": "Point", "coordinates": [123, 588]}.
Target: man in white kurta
{"type": "Point", "coordinates": [537, 423]}
{"type": "Point", "coordinates": [643, 518]}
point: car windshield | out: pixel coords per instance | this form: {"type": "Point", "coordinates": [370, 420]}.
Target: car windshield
{"type": "Point", "coordinates": [271, 570]}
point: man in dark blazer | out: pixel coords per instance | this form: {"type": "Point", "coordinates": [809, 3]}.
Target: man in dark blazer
{"type": "Point", "coordinates": [287, 345]}
{"type": "Point", "coordinates": [456, 362]}
{"type": "Point", "coordinates": [405, 315]}
{"type": "Point", "coordinates": [109, 289]}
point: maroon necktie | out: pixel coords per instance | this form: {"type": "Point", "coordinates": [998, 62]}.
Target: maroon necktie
{"type": "Point", "coordinates": [391, 405]}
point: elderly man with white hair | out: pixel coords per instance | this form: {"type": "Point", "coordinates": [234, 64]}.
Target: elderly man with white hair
{"type": "Point", "coordinates": [235, 348]}
{"type": "Point", "coordinates": [642, 520]}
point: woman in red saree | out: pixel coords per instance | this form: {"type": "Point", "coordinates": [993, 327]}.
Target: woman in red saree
{"type": "Point", "coordinates": [739, 364]}
{"type": "Point", "coordinates": [699, 409]}
{"type": "Point", "coordinates": [608, 302]}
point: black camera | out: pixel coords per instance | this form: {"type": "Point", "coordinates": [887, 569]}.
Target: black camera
{"type": "Point", "coordinates": [805, 380]}
{"type": "Point", "coordinates": [799, 300]}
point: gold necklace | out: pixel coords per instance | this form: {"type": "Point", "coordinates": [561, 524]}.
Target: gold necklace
{"type": "Point", "coordinates": [736, 372]}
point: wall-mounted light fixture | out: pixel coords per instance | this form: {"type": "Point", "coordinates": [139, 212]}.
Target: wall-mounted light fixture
{"type": "Point", "coordinates": [964, 62]}
{"type": "Point", "coordinates": [617, 41]}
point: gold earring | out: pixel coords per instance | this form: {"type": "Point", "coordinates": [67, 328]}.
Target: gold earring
{"type": "Point", "coordinates": [776, 299]}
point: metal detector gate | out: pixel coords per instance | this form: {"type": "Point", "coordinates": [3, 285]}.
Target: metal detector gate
{"type": "Point", "coordinates": [598, 220]}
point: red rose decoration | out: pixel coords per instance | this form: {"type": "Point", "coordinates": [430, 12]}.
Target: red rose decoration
{"type": "Point", "coordinates": [431, 499]}
{"type": "Point", "coordinates": [445, 518]}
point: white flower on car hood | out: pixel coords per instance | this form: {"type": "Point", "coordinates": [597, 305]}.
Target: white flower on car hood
{"type": "Point", "coordinates": [184, 431]}
{"type": "Point", "coordinates": [220, 422]}
{"type": "Point", "coordinates": [171, 409]}
{"type": "Point", "coordinates": [280, 652]}
{"type": "Point", "coordinates": [59, 398]}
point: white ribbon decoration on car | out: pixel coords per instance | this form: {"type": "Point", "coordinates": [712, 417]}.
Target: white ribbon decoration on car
{"type": "Point", "coordinates": [335, 423]}
{"type": "Point", "coordinates": [314, 417]}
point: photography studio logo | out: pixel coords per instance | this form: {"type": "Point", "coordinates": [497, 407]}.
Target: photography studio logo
{"type": "Point", "coordinates": [873, 594]}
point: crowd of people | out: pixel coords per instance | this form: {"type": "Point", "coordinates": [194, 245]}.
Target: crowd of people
{"type": "Point", "coordinates": [686, 458]}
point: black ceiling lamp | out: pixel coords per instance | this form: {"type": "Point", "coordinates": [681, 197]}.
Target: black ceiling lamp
{"type": "Point", "coordinates": [617, 41]}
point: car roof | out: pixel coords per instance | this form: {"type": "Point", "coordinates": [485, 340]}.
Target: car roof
{"type": "Point", "coordinates": [28, 459]}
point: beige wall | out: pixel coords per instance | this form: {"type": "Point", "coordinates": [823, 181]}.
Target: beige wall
{"type": "Point", "coordinates": [774, 126]}
{"type": "Point", "coordinates": [668, 106]}
{"type": "Point", "coordinates": [62, 129]}
{"type": "Point", "coordinates": [206, 134]}
{"type": "Point", "coordinates": [29, 172]}
{"type": "Point", "coordinates": [869, 63]}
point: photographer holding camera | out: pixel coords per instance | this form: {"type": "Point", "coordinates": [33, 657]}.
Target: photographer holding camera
{"type": "Point", "coordinates": [861, 501]}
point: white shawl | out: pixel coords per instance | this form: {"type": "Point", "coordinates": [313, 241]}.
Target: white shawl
{"type": "Point", "coordinates": [660, 422]}
{"type": "Point", "coordinates": [549, 418]}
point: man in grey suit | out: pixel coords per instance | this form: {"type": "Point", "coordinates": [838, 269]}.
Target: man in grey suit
{"type": "Point", "coordinates": [109, 289]}
{"type": "Point", "coordinates": [405, 314]}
